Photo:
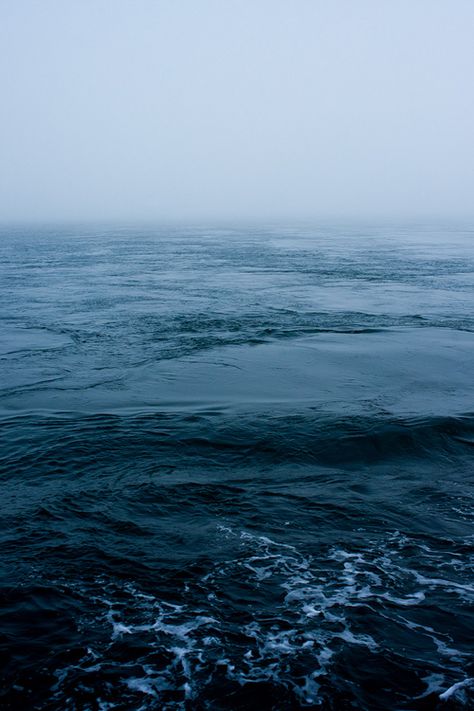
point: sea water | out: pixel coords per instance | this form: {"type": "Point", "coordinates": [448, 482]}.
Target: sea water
{"type": "Point", "coordinates": [237, 467]}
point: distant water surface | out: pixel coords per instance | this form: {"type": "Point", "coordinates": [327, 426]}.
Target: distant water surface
{"type": "Point", "coordinates": [237, 468]}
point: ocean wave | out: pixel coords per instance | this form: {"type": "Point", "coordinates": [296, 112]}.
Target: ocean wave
{"type": "Point", "coordinates": [306, 437]}
{"type": "Point", "coordinates": [269, 623]}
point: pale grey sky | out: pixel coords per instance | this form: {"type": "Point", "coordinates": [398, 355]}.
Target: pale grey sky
{"type": "Point", "coordinates": [214, 109]}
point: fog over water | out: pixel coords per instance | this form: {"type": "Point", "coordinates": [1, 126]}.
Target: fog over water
{"type": "Point", "coordinates": [212, 110]}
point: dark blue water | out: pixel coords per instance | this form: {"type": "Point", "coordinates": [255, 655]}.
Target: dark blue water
{"type": "Point", "coordinates": [237, 468]}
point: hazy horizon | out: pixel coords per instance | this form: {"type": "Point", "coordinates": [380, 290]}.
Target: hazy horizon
{"type": "Point", "coordinates": [238, 111]}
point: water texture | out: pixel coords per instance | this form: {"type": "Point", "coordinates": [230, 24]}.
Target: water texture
{"type": "Point", "coordinates": [237, 468]}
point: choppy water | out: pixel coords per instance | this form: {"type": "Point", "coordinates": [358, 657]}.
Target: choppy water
{"type": "Point", "coordinates": [237, 468]}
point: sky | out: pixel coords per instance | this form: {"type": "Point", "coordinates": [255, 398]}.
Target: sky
{"type": "Point", "coordinates": [229, 109]}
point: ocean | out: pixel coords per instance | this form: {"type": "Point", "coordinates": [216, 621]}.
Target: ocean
{"type": "Point", "coordinates": [237, 467]}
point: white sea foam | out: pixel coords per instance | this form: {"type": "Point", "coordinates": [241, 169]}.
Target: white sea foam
{"type": "Point", "coordinates": [434, 684]}
{"type": "Point", "coordinates": [313, 601]}
{"type": "Point", "coordinates": [455, 688]}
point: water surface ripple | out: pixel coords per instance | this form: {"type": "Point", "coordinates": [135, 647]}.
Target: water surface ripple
{"type": "Point", "coordinates": [237, 468]}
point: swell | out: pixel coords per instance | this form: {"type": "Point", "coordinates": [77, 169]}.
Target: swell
{"type": "Point", "coordinates": [63, 442]}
